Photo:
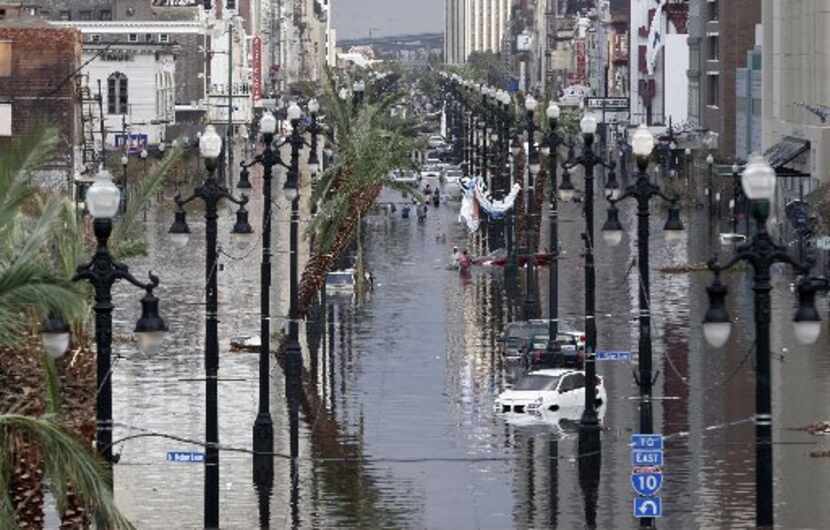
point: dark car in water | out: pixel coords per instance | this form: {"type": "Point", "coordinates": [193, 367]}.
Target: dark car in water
{"type": "Point", "coordinates": [518, 338]}
{"type": "Point", "coordinates": [570, 353]}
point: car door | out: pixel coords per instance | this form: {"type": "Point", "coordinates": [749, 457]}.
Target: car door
{"type": "Point", "coordinates": [574, 395]}
{"type": "Point", "coordinates": [565, 393]}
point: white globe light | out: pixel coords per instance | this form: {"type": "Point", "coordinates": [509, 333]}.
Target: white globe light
{"type": "Point", "coordinates": [313, 106]}
{"type": "Point", "coordinates": [807, 331]}
{"type": "Point", "coordinates": [588, 124]}
{"type": "Point", "coordinates": [642, 142]}
{"type": "Point", "coordinates": [210, 143]}
{"type": "Point", "coordinates": [179, 240]}
{"type": "Point", "coordinates": [149, 342]}
{"type": "Point", "coordinates": [103, 197]}
{"type": "Point", "coordinates": [143, 153]}
{"type": "Point", "coordinates": [531, 103]}
{"type": "Point", "coordinates": [55, 343]}
{"type": "Point", "coordinates": [554, 111]}
{"type": "Point", "coordinates": [268, 124]}
{"type": "Point", "coordinates": [294, 112]}
{"type": "Point", "coordinates": [124, 160]}
{"type": "Point", "coordinates": [717, 333]}
{"type": "Point", "coordinates": [612, 237]}
{"type": "Point", "coordinates": [673, 235]}
{"type": "Point", "coordinates": [710, 159]}
{"type": "Point", "coordinates": [758, 179]}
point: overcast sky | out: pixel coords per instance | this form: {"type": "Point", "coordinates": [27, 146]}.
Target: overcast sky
{"type": "Point", "coordinates": [354, 18]}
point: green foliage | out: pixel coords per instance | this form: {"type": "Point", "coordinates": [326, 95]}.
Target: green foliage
{"type": "Point", "coordinates": [66, 460]}
{"type": "Point", "coordinates": [485, 67]}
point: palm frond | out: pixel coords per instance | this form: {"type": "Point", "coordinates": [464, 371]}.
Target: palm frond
{"type": "Point", "coordinates": [66, 460]}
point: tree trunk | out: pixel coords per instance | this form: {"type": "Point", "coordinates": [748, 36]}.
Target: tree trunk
{"type": "Point", "coordinates": [26, 485]}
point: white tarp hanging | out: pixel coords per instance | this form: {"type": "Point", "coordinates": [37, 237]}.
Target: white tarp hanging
{"type": "Point", "coordinates": [477, 199]}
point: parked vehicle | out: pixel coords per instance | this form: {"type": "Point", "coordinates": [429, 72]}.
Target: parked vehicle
{"type": "Point", "coordinates": [340, 282]}
{"type": "Point", "coordinates": [435, 140]}
{"type": "Point", "coordinates": [405, 177]}
{"type": "Point", "coordinates": [570, 353]}
{"type": "Point", "coordinates": [516, 336]}
{"type": "Point", "coordinates": [548, 390]}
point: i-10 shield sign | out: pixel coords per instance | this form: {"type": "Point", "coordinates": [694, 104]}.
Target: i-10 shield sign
{"type": "Point", "coordinates": [647, 483]}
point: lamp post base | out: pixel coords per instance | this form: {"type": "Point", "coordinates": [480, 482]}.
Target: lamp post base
{"type": "Point", "coordinates": [263, 433]}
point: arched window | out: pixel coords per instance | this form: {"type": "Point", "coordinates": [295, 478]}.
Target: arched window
{"type": "Point", "coordinates": [117, 94]}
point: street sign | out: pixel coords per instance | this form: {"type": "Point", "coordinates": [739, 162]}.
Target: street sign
{"type": "Point", "coordinates": [648, 507]}
{"type": "Point", "coordinates": [647, 441]}
{"type": "Point", "coordinates": [647, 484]}
{"type": "Point", "coordinates": [613, 355]}
{"type": "Point", "coordinates": [646, 458]}
{"type": "Point", "coordinates": [610, 103]}
{"type": "Point", "coordinates": [823, 243]}
{"type": "Point", "coordinates": [187, 457]}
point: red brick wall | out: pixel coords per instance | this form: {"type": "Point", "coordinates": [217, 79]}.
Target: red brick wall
{"type": "Point", "coordinates": [41, 88]}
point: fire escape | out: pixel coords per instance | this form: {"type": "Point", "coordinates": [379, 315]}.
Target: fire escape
{"type": "Point", "coordinates": [92, 115]}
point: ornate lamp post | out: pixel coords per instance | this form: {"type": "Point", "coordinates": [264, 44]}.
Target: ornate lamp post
{"type": "Point", "coordinates": [589, 160]}
{"type": "Point", "coordinates": [102, 200]}
{"type": "Point", "coordinates": [761, 252]}
{"type": "Point", "coordinates": [211, 192]}
{"type": "Point", "coordinates": [533, 170]}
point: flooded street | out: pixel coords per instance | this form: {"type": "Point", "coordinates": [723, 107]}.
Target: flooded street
{"type": "Point", "coordinates": [400, 431]}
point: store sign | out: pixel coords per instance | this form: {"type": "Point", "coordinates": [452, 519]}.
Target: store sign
{"type": "Point", "coordinates": [177, 3]}
{"type": "Point", "coordinates": [256, 63]}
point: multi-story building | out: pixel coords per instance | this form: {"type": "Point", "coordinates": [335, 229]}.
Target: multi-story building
{"type": "Point", "coordinates": [720, 34]}
{"type": "Point", "coordinates": [796, 85]}
{"type": "Point", "coordinates": [658, 94]}
{"type": "Point", "coordinates": [306, 43]}
{"type": "Point", "coordinates": [37, 85]}
{"type": "Point", "coordinates": [475, 26]}
{"type": "Point", "coordinates": [748, 90]}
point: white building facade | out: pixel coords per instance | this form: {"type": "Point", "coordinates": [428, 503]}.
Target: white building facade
{"type": "Point", "coordinates": [474, 26]}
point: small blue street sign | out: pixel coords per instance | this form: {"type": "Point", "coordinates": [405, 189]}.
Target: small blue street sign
{"type": "Point", "coordinates": [647, 484]}
{"type": "Point", "coordinates": [647, 441]}
{"type": "Point", "coordinates": [641, 457]}
{"type": "Point", "coordinates": [192, 458]}
{"type": "Point", "coordinates": [613, 355]}
{"type": "Point", "coordinates": [648, 507]}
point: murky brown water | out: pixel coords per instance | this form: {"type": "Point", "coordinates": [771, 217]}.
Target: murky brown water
{"type": "Point", "coordinates": [402, 433]}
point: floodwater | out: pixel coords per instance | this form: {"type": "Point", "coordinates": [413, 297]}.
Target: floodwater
{"type": "Point", "coordinates": [400, 431]}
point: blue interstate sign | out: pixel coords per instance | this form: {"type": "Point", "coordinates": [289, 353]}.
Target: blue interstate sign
{"type": "Point", "coordinates": [647, 484]}
{"type": "Point", "coordinates": [641, 457]}
{"type": "Point", "coordinates": [648, 507]}
{"type": "Point", "coordinates": [191, 458]}
{"type": "Point", "coordinates": [613, 355]}
{"type": "Point", "coordinates": [647, 441]}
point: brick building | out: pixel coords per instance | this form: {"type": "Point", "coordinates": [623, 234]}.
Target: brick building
{"type": "Point", "coordinates": [37, 83]}
{"type": "Point", "coordinates": [721, 33]}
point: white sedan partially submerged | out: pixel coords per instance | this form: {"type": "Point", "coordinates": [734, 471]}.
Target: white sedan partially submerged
{"type": "Point", "coordinates": [555, 389]}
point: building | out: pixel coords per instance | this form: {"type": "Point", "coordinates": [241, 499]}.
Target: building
{"type": "Point", "coordinates": [748, 90]}
{"type": "Point", "coordinates": [475, 26]}
{"type": "Point", "coordinates": [306, 43]}
{"type": "Point", "coordinates": [38, 86]}
{"type": "Point", "coordinates": [720, 34]}
{"type": "Point", "coordinates": [658, 94]}
{"type": "Point", "coordinates": [796, 84]}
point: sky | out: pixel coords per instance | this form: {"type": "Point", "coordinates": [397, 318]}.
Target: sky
{"type": "Point", "coordinates": [355, 18]}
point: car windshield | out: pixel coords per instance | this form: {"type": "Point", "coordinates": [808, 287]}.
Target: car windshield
{"type": "Point", "coordinates": [537, 382]}
{"type": "Point", "coordinates": [339, 279]}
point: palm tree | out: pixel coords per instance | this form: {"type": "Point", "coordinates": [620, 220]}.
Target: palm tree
{"type": "Point", "coordinates": [370, 144]}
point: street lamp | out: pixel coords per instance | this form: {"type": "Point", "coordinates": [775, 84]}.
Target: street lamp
{"type": "Point", "coordinates": [588, 160]}
{"type": "Point", "coordinates": [552, 142]}
{"type": "Point", "coordinates": [533, 169]}
{"type": "Point", "coordinates": [211, 192]}
{"type": "Point", "coordinates": [761, 252]}
{"type": "Point", "coordinates": [124, 163]}
{"type": "Point", "coordinates": [102, 200]}
{"type": "Point", "coordinates": [642, 191]}
{"type": "Point", "coordinates": [315, 129]}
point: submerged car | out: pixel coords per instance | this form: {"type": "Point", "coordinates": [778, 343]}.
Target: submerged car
{"type": "Point", "coordinates": [517, 335]}
{"type": "Point", "coordinates": [570, 351]}
{"type": "Point", "coordinates": [340, 282]}
{"type": "Point", "coordinates": [550, 389]}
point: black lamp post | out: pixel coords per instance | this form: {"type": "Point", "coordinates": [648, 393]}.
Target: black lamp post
{"type": "Point", "coordinates": [642, 191]}
{"type": "Point", "coordinates": [211, 192]}
{"type": "Point", "coordinates": [761, 252]}
{"type": "Point", "coordinates": [102, 200]}
{"type": "Point", "coordinates": [534, 167]}
{"type": "Point", "coordinates": [589, 160]}
{"type": "Point", "coordinates": [553, 141]}
{"type": "Point", "coordinates": [293, 353]}
{"type": "Point", "coordinates": [263, 431]}
{"type": "Point", "coordinates": [124, 186]}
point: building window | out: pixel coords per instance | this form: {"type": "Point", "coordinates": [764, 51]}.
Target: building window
{"type": "Point", "coordinates": [117, 94]}
{"type": "Point", "coordinates": [95, 38]}
{"type": "Point", "coordinates": [713, 90]}
{"type": "Point", "coordinates": [712, 11]}
{"type": "Point", "coordinates": [132, 37]}
{"type": "Point", "coordinates": [148, 37]}
{"type": "Point", "coordinates": [5, 119]}
{"type": "Point", "coordinates": [105, 14]}
{"type": "Point", "coordinates": [65, 15]}
{"type": "Point", "coordinates": [2, 14]}
{"type": "Point", "coordinates": [5, 59]}
{"type": "Point", "coordinates": [85, 15]}
{"type": "Point", "coordinates": [164, 38]}
{"type": "Point", "coordinates": [713, 47]}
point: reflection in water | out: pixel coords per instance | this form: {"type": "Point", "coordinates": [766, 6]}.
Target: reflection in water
{"type": "Point", "coordinates": [396, 425]}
